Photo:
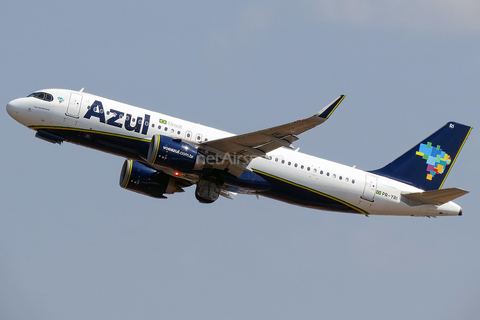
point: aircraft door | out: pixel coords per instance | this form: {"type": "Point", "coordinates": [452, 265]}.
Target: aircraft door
{"type": "Point", "coordinates": [74, 104]}
{"type": "Point", "coordinates": [370, 187]}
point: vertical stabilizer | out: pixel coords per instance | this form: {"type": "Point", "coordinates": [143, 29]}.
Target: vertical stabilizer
{"type": "Point", "coordinates": [426, 166]}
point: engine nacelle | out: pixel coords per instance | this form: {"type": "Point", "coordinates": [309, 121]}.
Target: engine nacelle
{"type": "Point", "coordinates": [137, 177]}
{"type": "Point", "coordinates": [174, 153]}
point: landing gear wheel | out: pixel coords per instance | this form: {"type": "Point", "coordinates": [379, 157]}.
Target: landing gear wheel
{"type": "Point", "coordinates": [208, 188]}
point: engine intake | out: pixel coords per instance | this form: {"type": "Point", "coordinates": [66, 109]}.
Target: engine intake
{"type": "Point", "coordinates": [174, 153]}
{"type": "Point", "coordinates": [140, 178]}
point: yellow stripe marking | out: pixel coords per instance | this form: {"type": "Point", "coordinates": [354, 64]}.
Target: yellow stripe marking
{"type": "Point", "coordinates": [158, 148]}
{"type": "Point", "coordinates": [87, 130]}
{"type": "Point", "coordinates": [338, 103]}
{"type": "Point", "coordinates": [451, 165]}
{"type": "Point", "coordinates": [314, 191]}
{"type": "Point", "coordinates": [126, 181]}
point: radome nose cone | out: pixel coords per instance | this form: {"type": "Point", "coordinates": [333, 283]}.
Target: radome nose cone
{"type": "Point", "coordinates": [12, 108]}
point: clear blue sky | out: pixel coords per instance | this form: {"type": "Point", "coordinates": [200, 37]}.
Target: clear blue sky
{"type": "Point", "coordinates": [74, 245]}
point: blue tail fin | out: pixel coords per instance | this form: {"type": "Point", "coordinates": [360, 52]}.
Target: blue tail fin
{"type": "Point", "coordinates": [426, 166]}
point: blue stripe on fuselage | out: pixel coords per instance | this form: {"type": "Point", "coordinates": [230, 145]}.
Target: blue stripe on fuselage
{"type": "Point", "coordinates": [124, 146]}
{"type": "Point", "coordinates": [268, 185]}
{"type": "Point", "coordinates": [293, 193]}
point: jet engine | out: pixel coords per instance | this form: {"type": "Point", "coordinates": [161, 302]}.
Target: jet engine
{"type": "Point", "coordinates": [174, 153]}
{"type": "Point", "coordinates": [140, 178]}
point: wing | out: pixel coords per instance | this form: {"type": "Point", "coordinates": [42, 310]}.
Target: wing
{"type": "Point", "coordinates": [235, 153]}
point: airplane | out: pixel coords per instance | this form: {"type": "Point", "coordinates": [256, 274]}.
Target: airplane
{"type": "Point", "coordinates": [165, 154]}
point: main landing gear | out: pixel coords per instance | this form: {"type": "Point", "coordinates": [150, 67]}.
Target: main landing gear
{"type": "Point", "coordinates": [208, 188]}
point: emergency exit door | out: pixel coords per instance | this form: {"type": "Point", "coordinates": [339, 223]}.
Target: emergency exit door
{"type": "Point", "coordinates": [74, 104]}
{"type": "Point", "coordinates": [370, 187]}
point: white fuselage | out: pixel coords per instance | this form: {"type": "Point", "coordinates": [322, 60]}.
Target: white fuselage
{"type": "Point", "coordinates": [359, 190]}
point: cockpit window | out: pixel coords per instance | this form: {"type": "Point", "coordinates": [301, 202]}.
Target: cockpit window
{"type": "Point", "coordinates": [41, 96]}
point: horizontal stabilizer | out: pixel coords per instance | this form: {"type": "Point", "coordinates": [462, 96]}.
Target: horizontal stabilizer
{"type": "Point", "coordinates": [436, 197]}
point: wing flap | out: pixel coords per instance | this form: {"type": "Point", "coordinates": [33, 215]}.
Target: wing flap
{"type": "Point", "coordinates": [227, 194]}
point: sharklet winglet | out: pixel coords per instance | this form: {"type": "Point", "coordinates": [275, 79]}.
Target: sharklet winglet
{"type": "Point", "coordinates": [326, 112]}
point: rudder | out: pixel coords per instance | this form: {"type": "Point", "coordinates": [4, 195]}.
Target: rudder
{"type": "Point", "coordinates": [426, 166]}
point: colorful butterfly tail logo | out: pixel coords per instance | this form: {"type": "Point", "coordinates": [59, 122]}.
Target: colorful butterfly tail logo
{"type": "Point", "coordinates": [437, 160]}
